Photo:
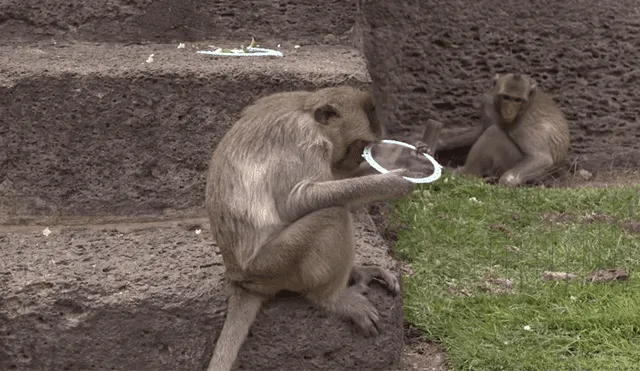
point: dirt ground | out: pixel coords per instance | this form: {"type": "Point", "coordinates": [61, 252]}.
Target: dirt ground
{"type": "Point", "coordinates": [418, 354]}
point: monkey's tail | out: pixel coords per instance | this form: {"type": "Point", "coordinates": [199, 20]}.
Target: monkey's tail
{"type": "Point", "coordinates": [242, 309]}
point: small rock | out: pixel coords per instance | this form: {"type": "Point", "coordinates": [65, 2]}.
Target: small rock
{"type": "Point", "coordinates": [6, 185]}
{"type": "Point", "coordinates": [557, 276]}
{"type": "Point", "coordinates": [512, 249]}
{"type": "Point", "coordinates": [582, 81]}
{"type": "Point", "coordinates": [497, 285]}
{"type": "Point", "coordinates": [330, 39]}
{"type": "Point", "coordinates": [406, 268]}
{"type": "Point", "coordinates": [607, 275]}
{"type": "Point", "coordinates": [498, 227]}
{"type": "Point", "coordinates": [632, 226]}
{"type": "Point", "coordinates": [584, 174]}
{"type": "Point", "coordinates": [192, 226]}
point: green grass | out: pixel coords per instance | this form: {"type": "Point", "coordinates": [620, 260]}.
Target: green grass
{"type": "Point", "coordinates": [456, 247]}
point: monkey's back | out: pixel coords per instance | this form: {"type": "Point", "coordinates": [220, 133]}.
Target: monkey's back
{"type": "Point", "coordinates": [252, 171]}
{"type": "Point", "coordinates": [550, 125]}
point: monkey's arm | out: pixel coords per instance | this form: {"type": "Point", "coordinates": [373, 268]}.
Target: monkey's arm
{"type": "Point", "coordinates": [464, 139]}
{"type": "Point", "coordinates": [308, 196]}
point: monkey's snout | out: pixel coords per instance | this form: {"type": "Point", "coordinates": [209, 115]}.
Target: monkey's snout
{"type": "Point", "coordinates": [360, 145]}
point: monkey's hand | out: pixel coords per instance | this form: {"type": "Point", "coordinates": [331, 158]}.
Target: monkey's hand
{"type": "Point", "coordinates": [404, 187]}
{"type": "Point", "coordinates": [362, 276]}
{"type": "Point", "coordinates": [421, 148]}
{"type": "Point", "coordinates": [509, 180]}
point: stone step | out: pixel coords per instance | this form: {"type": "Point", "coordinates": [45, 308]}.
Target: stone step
{"type": "Point", "coordinates": [305, 21]}
{"type": "Point", "coordinates": [93, 130]}
{"type": "Point", "coordinates": [151, 297]}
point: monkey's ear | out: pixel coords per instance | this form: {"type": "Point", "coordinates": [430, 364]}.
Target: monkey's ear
{"type": "Point", "coordinates": [496, 77]}
{"type": "Point", "coordinates": [324, 113]}
{"type": "Point", "coordinates": [533, 88]}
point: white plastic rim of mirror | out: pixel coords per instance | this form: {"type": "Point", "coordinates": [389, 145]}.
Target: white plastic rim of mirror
{"type": "Point", "coordinates": [255, 52]}
{"type": "Point", "coordinates": [437, 168]}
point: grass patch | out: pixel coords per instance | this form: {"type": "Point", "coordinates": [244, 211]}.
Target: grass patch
{"type": "Point", "coordinates": [477, 254]}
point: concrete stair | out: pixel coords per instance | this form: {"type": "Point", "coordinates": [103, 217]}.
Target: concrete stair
{"type": "Point", "coordinates": [96, 130]}
{"type": "Point", "coordinates": [109, 153]}
{"type": "Point", "coordinates": [148, 296]}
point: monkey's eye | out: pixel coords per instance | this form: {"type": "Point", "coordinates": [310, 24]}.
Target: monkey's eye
{"type": "Point", "coordinates": [517, 100]}
{"type": "Point", "coordinates": [506, 98]}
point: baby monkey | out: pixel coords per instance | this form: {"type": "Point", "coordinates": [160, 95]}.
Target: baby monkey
{"type": "Point", "coordinates": [279, 189]}
{"type": "Point", "coordinates": [524, 134]}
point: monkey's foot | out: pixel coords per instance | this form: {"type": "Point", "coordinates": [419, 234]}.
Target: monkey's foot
{"type": "Point", "coordinates": [351, 304]}
{"type": "Point", "coordinates": [361, 311]}
{"type": "Point", "coordinates": [361, 276]}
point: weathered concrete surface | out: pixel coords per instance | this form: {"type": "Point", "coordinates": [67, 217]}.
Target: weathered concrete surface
{"type": "Point", "coordinates": [431, 59]}
{"type": "Point", "coordinates": [303, 22]}
{"type": "Point", "coordinates": [152, 299]}
{"type": "Point", "coordinates": [91, 130]}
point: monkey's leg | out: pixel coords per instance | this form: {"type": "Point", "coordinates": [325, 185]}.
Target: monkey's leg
{"type": "Point", "coordinates": [492, 155]}
{"type": "Point", "coordinates": [530, 168]}
{"type": "Point", "coordinates": [315, 239]}
{"type": "Point", "coordinates": [278, 257]}
{"type": "Point", "coordinates": [242, 309]}
{"type": "Point", "coordinates": [315, 256]}
{"type": "Point", "coordinates": [325, 273]}
{"type": "Point", "coordinates": [363, 275]}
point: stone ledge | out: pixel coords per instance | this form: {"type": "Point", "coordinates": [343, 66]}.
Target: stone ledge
{"type": "Point", "coordinates": [152, 299]}
{"type": "Point", "coordinates": [167, 20]}
{"type": "Point", "coordinates": [91, 130]}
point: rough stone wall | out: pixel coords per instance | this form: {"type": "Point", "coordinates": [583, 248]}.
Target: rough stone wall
{"type": "Point", "coordinates": [431, 59]}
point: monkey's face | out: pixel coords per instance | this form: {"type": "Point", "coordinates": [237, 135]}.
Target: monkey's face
{"type": "Point", "coordinates": [509, 106]}
{"type": "Point", "coordinates": [354, 132]}
{"type": "Point", "coordinates": [511, 93]}
{"type": "Point", "coordinates": [352, 158]}
{"type": "Point", "coordinates": [350, 122]}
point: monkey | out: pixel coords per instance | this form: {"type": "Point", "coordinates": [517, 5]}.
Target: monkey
{"type": "Point", "coordinates": [527, 137]}
{"type": "Point", "coordinates": [278, 197]}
